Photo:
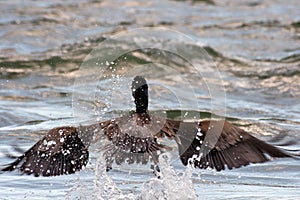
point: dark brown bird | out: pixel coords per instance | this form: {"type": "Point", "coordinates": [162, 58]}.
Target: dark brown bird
{"type": "Point", "coordinates": [134, 139]}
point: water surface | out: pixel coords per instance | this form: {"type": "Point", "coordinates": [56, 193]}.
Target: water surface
{"type": "Point", "coordinates": [254, 44]}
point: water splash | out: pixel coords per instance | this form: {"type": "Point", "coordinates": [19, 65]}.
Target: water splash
{"type": "Point", "coordinates": [170, 185]}
{"type": "Point", "coordinates": [78, 191]}
{"type": "Point", "coordinates": [104, 186]}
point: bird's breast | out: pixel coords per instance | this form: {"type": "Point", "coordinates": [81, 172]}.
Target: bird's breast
{"type": "Point", "coordinates": [141, 127]}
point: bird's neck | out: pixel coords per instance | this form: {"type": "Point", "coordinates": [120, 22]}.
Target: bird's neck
{"type": "Point", "coordinates": [141, 110]}
{"type": "Point", "coordinates": [141, 103]}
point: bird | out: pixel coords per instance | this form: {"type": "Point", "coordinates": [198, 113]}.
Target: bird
{"type": "Point", "coordinates": [136, 138]}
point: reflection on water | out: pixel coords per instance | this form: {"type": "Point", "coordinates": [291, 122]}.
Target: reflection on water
{"type": "Point", "coordinates": [255, 45]}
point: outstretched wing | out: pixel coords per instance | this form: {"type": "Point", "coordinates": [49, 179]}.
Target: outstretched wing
{"type": "Point", "coordinates": [60, 152]}
{"type": "Point", "coordinates": [217, 144]}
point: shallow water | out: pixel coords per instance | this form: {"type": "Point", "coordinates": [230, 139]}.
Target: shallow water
{"type": "Point", "coordinates": [253, 44]}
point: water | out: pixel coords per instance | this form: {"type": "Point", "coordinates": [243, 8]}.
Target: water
{"type": "Point", "coordinates": [254, 44]}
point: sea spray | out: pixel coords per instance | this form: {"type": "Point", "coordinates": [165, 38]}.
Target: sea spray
{"type": "Point", "coordinates": [170, 184]}
{"type": "Point", "coordinates": [104, 186]}
{"type": "Point", "coordinates": [78, 191]}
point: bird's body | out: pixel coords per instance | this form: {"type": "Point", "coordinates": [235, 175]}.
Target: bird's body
{"type": "Point", "coordinates": [133, 138]}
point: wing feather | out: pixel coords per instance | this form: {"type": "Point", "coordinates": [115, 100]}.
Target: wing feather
{"type": "Point", "coordinates": [233, 147]}
{"type": "Point", "coordinates": [60, 152]}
